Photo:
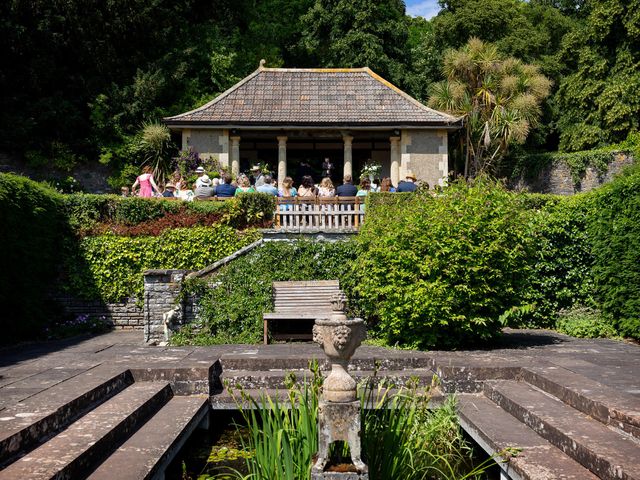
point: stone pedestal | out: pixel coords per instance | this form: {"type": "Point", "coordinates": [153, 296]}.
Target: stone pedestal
{"type": "Point", "coordinates": [339, 409]}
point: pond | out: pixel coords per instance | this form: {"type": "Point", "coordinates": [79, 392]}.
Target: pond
{"type": "Point", "coordinates": [220, 453]}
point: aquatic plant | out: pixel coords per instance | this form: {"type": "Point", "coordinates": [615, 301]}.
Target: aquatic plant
{"type": "Point", "coordinates": [405, 436]}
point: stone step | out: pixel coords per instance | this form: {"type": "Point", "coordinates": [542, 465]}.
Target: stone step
{"type": "Point", "coordinates": [147, 453]}
{"type": "Point", "coordinates": [27, 424]}
{"type": "Point", "coordinates": [251, 379]}
{"type": "Point", "coordinates": [604, 451]}
{"type": "Point", "coordinates": [610, 406]}
{"type": "Point", "coordinates": [77, 449]}
{"type": "Point", "coordinates": [496, 430]}
{"type": "Point", "coordinates": [288, 356]}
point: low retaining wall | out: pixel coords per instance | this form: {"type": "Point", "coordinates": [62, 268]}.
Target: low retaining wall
{"type": "Point", "coordinates": [126, 314]}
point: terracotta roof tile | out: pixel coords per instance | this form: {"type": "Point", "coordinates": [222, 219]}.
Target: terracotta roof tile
{"type": "Point", "coordinates": [314, 97]}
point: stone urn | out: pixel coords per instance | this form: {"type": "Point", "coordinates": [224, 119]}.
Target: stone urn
{"type": "Point", "coordinates": [339, 338]}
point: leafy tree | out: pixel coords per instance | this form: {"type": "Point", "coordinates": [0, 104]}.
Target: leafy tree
{"type": "Point", "coordinates": [357, 33]}
{"type": "Point", "coordinates": [598, 97]}
{"type": "Point", "coordinates": [531, 31]}
{"type": "Point", "coordinates": [499, 98]}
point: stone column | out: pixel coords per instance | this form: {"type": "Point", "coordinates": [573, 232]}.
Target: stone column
{"type": "Point", "coordinates": [282, 159]}
{"type": "Point", "coordinates": [395, 160]}
{"type": "Point", "coordinates": [235, 155]}
{"type": "Point", "coordinates": [348, 156]}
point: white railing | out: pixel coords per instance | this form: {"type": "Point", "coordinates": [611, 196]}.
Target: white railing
{"type": "Point", "coordinates": [319, 213]}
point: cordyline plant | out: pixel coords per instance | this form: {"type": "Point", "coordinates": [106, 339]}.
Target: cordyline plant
{"type": "Point", "coordinates": [499, 99]}
{"type": "Point", "coordinates": [155, 146]}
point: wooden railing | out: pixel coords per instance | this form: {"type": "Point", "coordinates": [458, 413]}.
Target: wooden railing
{"type": "Point", "coordinates": [319, 213]}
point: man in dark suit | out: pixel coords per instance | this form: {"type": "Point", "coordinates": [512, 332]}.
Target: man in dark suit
{"type": "Point", "coordinates": [226, 189]}
{"type": "Point", "coordinates": [347, 189]}
{"type": "Point", "coordinates": [408, 185]}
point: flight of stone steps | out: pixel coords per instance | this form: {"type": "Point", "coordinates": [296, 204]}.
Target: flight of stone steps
{"type": "Point", "coordinates": [566, 425]}
{"type": "Point", "coordinates": [109, 426]}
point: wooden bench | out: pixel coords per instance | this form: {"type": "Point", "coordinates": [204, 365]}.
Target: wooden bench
{"type": "Point", "coordinates": [297, 305]}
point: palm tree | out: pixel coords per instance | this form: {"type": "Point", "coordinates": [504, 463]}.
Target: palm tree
{"type": "Point", "coordinates": [498, 97]}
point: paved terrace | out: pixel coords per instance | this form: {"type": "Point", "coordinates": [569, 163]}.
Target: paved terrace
{"type": "Point", "coordinates": [85, 406]}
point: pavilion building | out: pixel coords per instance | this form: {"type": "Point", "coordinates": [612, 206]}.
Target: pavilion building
{"type": "Point", "coordinates": [291, 119]}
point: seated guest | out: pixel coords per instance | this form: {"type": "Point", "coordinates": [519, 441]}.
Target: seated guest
{"type": "Point", "coordinates": [408, 185]}
{"type": "Point", "coordinates": [200, 172]}
{"type": "Point", "coordinates": [326, 188]}
{"type": "Point", "coordinates": [226, 189]}
{"type": "Point", "coordinates": [287, 190]}
{"type": "Point", "coordinates": [365, 187]}
{"type": "Point", "coordinates": [244, 186]}
{"type": "Point", "coordinates": [267, 187]}
{"type": "Point", "coordinates": [386, 185]}
{"type": "Point", "coordinates": [307, 189]}
{"type": "Point", "coordinates": [169, 190]}
{"type": "Point", "coordinates": [205, 190]}
{"type": "Point", "coordinates": [348, 189]}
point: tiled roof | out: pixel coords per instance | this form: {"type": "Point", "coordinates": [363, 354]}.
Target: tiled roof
{"type": "Point", "coordinates": [310, 97]}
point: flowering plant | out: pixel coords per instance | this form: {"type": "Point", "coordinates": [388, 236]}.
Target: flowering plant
{"type": "Point", "coordinates": [371, 169]}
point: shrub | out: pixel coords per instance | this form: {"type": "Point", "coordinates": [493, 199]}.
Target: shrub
{"type": "Point", "coordinates": [89, 214]}
{"type": "Point", "coordinates": [33, 230]}
{"type": "Point", "coordinates": [110, 267]}
{"type": "Point", "coordinates": [615, 231]}
{"type": "Point", "coordinates": [561, 276]}
{"type": "Point", "coordinates": [232, 312]}
{"type": "Point", "coordinates": [584, 322]}
{"type": "Point", "coordinates": [439, 271]}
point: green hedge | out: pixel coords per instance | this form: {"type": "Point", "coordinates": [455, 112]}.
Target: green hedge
{"type": "Point", "coordinates": [110, 267]}
{"type": "Point", "coordinates": [33, 231]}
{"type": "Point", "coordinates": [563, 261]}
{"type": "Point", "coordinates": [439, 271]}
{"type": "Point", "coordinates": [86, 211]}
{"type": "Point", "coordinates": [232, 312]}
{"type": "Point", "coordinates": [614, 227]}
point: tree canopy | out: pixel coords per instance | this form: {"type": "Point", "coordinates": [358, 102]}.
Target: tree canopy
{"type": "Point", "coordinates": [81, 77]}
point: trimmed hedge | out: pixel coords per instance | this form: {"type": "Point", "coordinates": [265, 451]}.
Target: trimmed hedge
{"type": "Point", "coordinates": [87, 213]}
{"type": "Point", "coordinates": [110, 267]}
{"type": "Point", "coordinates": [33, 230]}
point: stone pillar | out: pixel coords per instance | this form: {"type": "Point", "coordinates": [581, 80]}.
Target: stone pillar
{"type": "Point", "coordinates": [161, 288]}
{"type": "Point", "coordinates": [395, 160]}
{"type": "Point", "coordinates": [282, 159]}
{"type": "Point", "coordinates": [348, 156]}
{"type": "Point", "coordinates": [235, 155]}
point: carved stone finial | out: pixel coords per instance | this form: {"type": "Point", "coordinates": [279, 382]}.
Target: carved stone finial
{"type": "Point", "coordinates": [262, 63]}
{"type": "Point", "coordinates": [338, 302]}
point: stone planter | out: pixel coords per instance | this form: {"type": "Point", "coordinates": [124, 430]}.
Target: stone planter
{"type": "Point", "coordinates": [339, 339]}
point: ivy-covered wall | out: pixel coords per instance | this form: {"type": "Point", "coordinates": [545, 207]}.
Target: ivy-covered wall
{"type": "Point", "coordinates": [568, 173]}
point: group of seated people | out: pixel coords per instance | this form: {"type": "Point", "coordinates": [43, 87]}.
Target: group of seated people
{"type": "Point", "coordinates": [326, 188]}
{"type": "Point", "coordinates": [206, 187]}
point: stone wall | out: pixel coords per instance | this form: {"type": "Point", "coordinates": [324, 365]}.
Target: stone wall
{"type": "Point", "coordinates": [126, 314]}
{"type": "Point", "coordinates": [209, 143]}
{"type": "Point", "coordinates": [557, 178]}
{"type": "Point", "coordinates": [425, 154]}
